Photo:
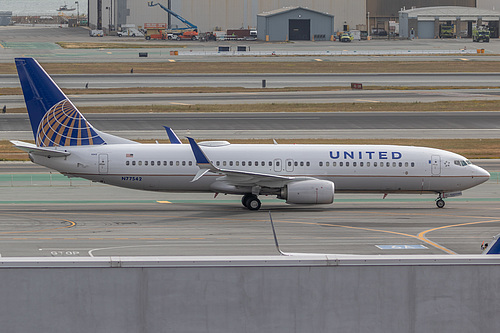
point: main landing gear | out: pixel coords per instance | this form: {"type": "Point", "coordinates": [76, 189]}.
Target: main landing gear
{"type": "Point", "coordinates": [251, 202]}
{"type": "Point", "coordinates": [439, 201]}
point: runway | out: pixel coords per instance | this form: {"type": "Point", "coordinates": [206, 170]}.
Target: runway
{"type": "Point", "coordinates": [339, 96]}
{"type": "Point", "coordinates": [268, 125]}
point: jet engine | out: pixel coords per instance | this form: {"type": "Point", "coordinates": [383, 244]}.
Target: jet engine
{"type": "Point", "coordinates": [308, 192]}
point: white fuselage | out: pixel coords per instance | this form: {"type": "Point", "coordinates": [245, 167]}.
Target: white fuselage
{"type": "Point", "coordinates": [352, 168]}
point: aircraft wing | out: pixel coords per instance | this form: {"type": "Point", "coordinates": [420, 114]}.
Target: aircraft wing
{"type": "Point", "coordinates": [43, 151]}
{"type": "Point", "coordinates": [238, 177]}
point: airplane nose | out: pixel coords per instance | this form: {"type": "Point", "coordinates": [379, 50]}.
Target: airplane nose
{"type": "Point", "coordinates": [480, 174]}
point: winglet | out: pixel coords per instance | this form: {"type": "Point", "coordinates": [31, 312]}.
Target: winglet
{"type": "Point", "coordinates": [199, 155]}
{"type": "Point", "coordinates": [174, 139]}
{"type": "Point", "coordinates": [202, 160]}
{"type": "Point", "coordinates": [494, 248]}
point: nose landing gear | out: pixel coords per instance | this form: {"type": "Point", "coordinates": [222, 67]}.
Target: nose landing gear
{"type": "Point", "coordinates": [439, 201]}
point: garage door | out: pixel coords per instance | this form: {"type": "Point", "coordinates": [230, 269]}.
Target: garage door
{"type": "Point", "coordinates": [426, 29]}
{"type": "Point", "coordinates": [299, 29]}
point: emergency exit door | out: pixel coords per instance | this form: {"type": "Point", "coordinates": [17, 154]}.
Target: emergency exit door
{"type": "Point", "coordinates": [299, 29]}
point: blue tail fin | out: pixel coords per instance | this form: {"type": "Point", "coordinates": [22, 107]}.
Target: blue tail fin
{"type": "Point", "coordinates": [494, 248]}
{"type": "Point", "coordinates": [55, 121]}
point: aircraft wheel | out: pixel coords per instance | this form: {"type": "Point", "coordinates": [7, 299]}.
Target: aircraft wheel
{"type": "Point", "coordinates": [253, 203]}
{"type": "Point", "coordinates": [245, 198]}
{"type": "Point", "coordinates": [440, 203]}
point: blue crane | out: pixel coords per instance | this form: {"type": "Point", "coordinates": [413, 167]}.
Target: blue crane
{"type": "Point", "coordinates": [189, 25]}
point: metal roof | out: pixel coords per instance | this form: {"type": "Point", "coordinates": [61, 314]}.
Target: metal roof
{"type": "Point", "coordinates": [289, 9]}
{"type": "Point", "coordinates": [450, 11]}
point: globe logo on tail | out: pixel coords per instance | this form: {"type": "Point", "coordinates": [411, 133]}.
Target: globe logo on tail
{"type": "Point", "coordinates": [64, 125]}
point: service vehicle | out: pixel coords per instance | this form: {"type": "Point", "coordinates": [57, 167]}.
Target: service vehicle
{"type": "Point", "coordinates": [481, 34]}
{"type": "Point", "coordinates": [346, 37]}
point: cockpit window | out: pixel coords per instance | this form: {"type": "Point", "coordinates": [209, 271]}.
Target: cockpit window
{"type": "Point", "coordinates": [462, 162]}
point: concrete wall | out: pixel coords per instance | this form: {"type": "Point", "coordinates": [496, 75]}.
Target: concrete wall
{"type": "Point", "coordinates": [315, 293]}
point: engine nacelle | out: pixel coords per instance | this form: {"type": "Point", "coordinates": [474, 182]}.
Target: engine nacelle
{"type": "Point", "coordinates": [309, 192]}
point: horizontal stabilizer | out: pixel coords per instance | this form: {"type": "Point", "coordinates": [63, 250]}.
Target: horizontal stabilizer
{"type": "Point", "coordinates": [33, 149]}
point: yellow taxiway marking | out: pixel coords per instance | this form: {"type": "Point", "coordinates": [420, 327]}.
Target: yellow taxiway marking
{"type": "Point", "coordinates": [109, 52]}
{"type": "Point", "coordinates": [464, 59]}
{"type": "Point", "coordinates": [171, 60]}
{"type": "Point", "coordinates": [163, 201]}
{"type": "Point", "coordinates": [71, 224]}
{"type": "Point", "coordinates": [318, 59]}
{"type": "Point", "coordinates": [177, 103]}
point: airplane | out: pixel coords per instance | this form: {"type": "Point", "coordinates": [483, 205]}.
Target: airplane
{"type": "Point", "coordinates": [299, 174]}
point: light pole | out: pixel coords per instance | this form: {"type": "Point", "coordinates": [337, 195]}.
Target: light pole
{"type": "Point", "coordinates": [77, 13]}
{"type": "Point", "coordinates": [368, 24]}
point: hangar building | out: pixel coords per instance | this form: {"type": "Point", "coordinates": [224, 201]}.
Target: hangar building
{"type": "Point", "coordinates": [295, 23]}
{"type": "Point", "coordinates": [425, 22]}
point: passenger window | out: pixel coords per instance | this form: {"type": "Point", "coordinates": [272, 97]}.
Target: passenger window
{"type": "Point", "coordinates": [152, 163]}
{"type": "Point", "coordinates": [406, 164]}
{"type": "Point", "coordinates": [334, 164]}
{"type": "Point", "coordinates": [412, 164]}
{"type": "Point", "coordinates": [308, 163]}
{"type": "Point", "coordinates": [177, 163]}
{"type": "Point", "coordinates": [158, 163]}
{"type": "Point", "coordinates": [237, 163]}
{"type": "Point", "coordinates": [374, 164]}
{"type": "Point", "coordinates": [171, 163]}
{"type": "Point", "coordinates": [394, 164]}
{"type": "Point", "coordinates": [360, 164]}
{"type": "Point", "coordinates": [224, 163]}
{"type": "Point", "coordinates": [368, 164]}
{"type": "Point", "coordinates": [341, 163]}
{"type": "Point", "coordinates": [243, 163]}
{"type": "Point", "coordinates": [277, 163]}
{"type": "Point", "coordinates": [346, 164]}
{"type": "Point", "coordinates": [140, 162]}
{"type": "Point", "coordinates": [354, 163]}
{"type": "Point", "coordinates": [127, 163]}
{"type": "Point", "coordinates": [230, 163]}
{"type": "Point", "coordinates": [302, 164]}
{"type": "Point", "coordinates": [249, 163]}
{"type": "Point", "coordinates": [164, 163]}
{"type": "Point", "coordinates": [133, 162]}
{"type": "Point", "coordinates": [320, 164]}
{"type": "Point", "coordinates": [145, 162]}
{"type": "Point", "coordinates": [263, 163]}
{"type": "Point", "coordinates": [190, 163]}
{"type": "Point", "coordinates": [270, 163]}
{"type": "Point", "coordinates": [400, 164]}
{"type": "Point", "coordinates": [217, 163]}
{"type": "Point", "coordinates": [388, 164]}
{"type": "Point", "coordinates": [183, 163]}
{"type": "Point", "coordinates": [327, 164]}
